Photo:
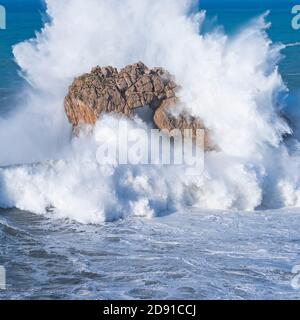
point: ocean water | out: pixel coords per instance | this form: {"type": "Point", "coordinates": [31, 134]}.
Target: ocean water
{"type": "Point", "coordinates": [23, 20]}
{"type": "Point", "coordinates": [240, 241]}
{"type": "Point", "coordinates": [281, 31]}
{"type": "Point", "coordinates": [187, 255]}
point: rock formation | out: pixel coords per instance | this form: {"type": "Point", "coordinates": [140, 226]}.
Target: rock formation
{"type": "Point", "coordinates": [106, 90]}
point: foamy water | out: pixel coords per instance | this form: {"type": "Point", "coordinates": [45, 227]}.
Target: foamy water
{"type": "Point", "coordinates": [188, 255]}
{"type": "Point", "coordinates": [295, 44]}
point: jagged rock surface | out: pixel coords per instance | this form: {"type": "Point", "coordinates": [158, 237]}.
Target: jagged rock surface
{"type": "Point", "coordinates": [164, 119]}
{"type": "Point", "coordinates": [106, 90]}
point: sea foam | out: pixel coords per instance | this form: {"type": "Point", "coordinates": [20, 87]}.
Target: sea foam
{"type": "Point", "coordinates": [231, 82]}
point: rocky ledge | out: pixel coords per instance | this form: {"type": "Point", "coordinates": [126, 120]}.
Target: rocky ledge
{"type": "Point", "coordinates": [126, 92]}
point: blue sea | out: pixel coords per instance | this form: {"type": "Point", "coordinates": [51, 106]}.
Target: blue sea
{"type": "Point", "coordinates": [25, 18]}
{"type": "Point", "coordinates": [190, 254]}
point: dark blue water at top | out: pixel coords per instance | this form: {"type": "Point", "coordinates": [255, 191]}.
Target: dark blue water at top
{"type": "Point", "coordinates": [23, 18]}
{"type": "Point", "coordinates": [280, 16]}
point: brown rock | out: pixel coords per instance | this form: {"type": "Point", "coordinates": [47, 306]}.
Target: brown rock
{"type": "Point", "coordinates": [106, 90]}
{"type": "Point", "coordinates": [164, 119]}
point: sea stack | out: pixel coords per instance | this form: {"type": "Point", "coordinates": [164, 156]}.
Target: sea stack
{"type": "Point", "coordinates": [126, 92]}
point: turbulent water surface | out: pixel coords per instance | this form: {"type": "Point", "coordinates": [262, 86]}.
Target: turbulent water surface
{"type": "Point", "coordinates": [187, 255]}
